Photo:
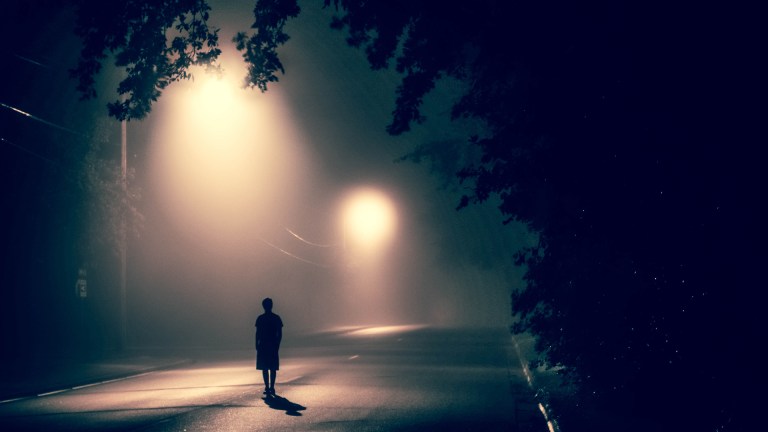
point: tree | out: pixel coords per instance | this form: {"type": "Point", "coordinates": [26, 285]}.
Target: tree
{"type": "Point", "coordinates": [110, 210]}
{"type": "Point", "coordinates": [602, 140]}
{"type": "Point", "coordinates": [156, 42]}
{"type": "Point", "coordinates": [606, 134]}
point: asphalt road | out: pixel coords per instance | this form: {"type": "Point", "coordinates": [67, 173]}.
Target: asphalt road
{"type": "Point", "coordinates": [372, 380]}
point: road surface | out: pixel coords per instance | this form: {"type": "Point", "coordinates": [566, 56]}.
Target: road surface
{"type": "Point", "coordinates": [375, 379]}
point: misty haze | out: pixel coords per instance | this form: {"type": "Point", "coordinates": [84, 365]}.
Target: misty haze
{"type": "Point", "coordinates": [494, 216]}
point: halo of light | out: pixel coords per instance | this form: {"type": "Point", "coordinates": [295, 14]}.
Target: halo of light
{"type": "Point", "coordinates": [227, 163]}
{"type": "Point", "coordinates": [369, 219]}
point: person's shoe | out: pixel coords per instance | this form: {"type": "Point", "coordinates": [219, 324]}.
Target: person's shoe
{"type": "Point", "coordinates": [272, 391]}
{"type": "Point", "coordinates": [266, 391]}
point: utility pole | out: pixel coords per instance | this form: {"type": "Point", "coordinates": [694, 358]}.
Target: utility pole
{"type": "Point", "coordinates": [123, 233]}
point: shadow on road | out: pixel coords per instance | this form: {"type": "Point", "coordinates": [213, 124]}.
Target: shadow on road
{"type": "Point", "coordinates": [283, 404]}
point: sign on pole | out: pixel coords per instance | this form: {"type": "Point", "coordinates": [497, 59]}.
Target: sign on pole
{"type": "Point", "coordinates": [81, 287]}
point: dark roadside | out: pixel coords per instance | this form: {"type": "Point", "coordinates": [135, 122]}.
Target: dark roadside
{"type": "Point", "coordinates": [566, 411]}
{"type": "Point", "coordinates": [572, 412]}
{"type": "Point", "coordinates": [60, 373]}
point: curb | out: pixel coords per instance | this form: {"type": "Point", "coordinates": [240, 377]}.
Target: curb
{"type": "Point", "coordinates": [43, 390]}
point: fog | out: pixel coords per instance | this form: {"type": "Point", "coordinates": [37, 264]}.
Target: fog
{"type": "Point", "coordinates": [246, 196]}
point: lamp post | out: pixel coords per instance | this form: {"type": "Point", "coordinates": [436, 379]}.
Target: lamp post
{"type": "Point", "coordinates": [123, 233]}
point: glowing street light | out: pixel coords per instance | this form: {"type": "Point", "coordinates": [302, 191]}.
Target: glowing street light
{"type": "Point", "coordinates": [368, 221]}
{"type": "Point", "coordinates": [226, 163]}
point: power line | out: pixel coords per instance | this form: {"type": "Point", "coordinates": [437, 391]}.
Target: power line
{"type": "Point", "coordinates": [36, 118]}
{"type": "Point", "coordinates": [26, 150]}
{"type": "Point", "coordinates": [29, 60]}
{"type": "Point", "coordinates": [309, 242]}
{"type": "Point", "coordinates": [67, 173]}
{"type": "Point", "coordinates": [293, 255]}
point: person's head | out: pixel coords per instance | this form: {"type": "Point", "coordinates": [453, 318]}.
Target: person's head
{"type": "Point", "coordinates": [267, 304]}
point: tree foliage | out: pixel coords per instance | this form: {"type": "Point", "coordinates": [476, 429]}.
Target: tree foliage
{"type": "Point", "coordinates": [617, 131]}
{"type": "Point", "coordinates": [156, 42]}
{"type": "Point", "coordinates": [607, 135]}
{"type": "Point", "coordinates": [110, 209]}
{"type": "Point", "coordinates": [260, 48]}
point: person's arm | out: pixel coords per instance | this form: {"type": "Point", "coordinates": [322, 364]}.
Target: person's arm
{"type": "Point", "coordinates": [258, 336]}
{"type": "Point", "coordinates": [279, 334]}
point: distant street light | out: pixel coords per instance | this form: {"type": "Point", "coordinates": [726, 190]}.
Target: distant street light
{"type": "Point", "coordinates": [368, 221]}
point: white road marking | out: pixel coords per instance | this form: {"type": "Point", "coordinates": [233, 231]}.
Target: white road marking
{"type": "Point", "coordinates": [551, 423]}
{"type": "Point", "coordinates": [52, 393]}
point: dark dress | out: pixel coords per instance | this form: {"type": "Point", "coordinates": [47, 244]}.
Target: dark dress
{"type": "Point", "coordinates": [269, 332]}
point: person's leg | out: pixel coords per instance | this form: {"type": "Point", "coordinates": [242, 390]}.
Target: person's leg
{"type": "Point", "coordinates": [273, 375]}
{"type": "Point", "coordinates": [265, 375]}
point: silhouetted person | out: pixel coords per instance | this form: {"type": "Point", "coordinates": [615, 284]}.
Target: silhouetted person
{"type": "Point", "coordinates": [269, 333]}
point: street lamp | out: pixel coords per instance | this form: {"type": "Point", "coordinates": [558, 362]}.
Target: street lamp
{"type": "Point", "coordinates": [227, 164]}
{"type": "Point", "coordinates": [368, 222]}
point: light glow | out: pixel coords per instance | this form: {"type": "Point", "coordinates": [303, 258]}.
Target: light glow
{"type": "Point", "coordinates": [369, 220]}
{"type": "Point", "coordinates": [386, 330]}
{"type": "Point", "coordinates": [227, 161]}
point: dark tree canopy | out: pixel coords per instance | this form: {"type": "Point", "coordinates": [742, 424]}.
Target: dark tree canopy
{"type": "Point", "coordinates": [620, 133]}
{"type": "Point", "coordinates": [260, 48]}
{"type": "Point", "coordinates": [155, 41]}
{"type": "Point", "coordinates": [608, 134]}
